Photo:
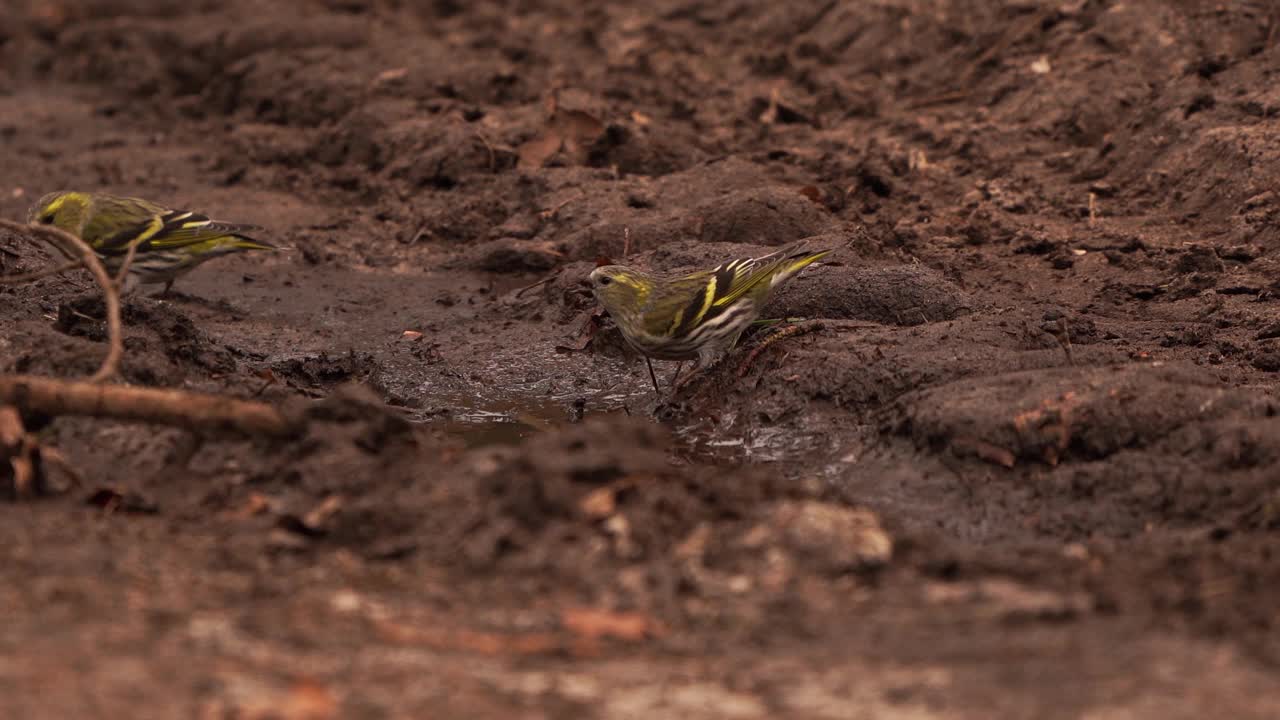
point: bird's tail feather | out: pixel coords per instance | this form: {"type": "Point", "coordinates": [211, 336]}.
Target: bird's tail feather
{"type": "Point", "coordinates": [794, 258]}
{"type": "Point", "coordinates": [244, 242]}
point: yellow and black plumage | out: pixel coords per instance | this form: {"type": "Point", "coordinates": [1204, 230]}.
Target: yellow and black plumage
{"type": "Point", "coordinates": [169, 242]}
{"type": "Point", "coordinates": [697, 316]}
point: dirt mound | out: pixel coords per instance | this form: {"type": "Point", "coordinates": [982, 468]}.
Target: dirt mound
{"type": "Point", "coordinates": [1089, 414]}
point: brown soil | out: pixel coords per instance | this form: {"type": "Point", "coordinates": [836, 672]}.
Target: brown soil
{"type": "Point", "coordinates": [922, 506]}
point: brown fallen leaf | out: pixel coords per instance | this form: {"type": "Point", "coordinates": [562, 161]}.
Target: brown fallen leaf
{"type": "Point", "coordinates": [24, 472]}
{"type": "Point", "coordinates": [12, 430]}
{"type": "Point", "coordinates": [315, 522]}
{"type": "Point", "coordinates": [599, 503]}
{"type": "Point", "coordinates": [984, 450]}
{"type": "Point", "coordinates": [586, 334]}
{"type": "Point", "coordinates": [1049, 426]}
{"type": "Point", "coordinates": [303, 700]}
{"type": "Point", "coordinates": [13, 447]}
{"type": "Point", "coordinates": [257, 504]}
{"type": "Point", "coordinates": [814, 194]}
{"type": "Point", "coordinates": [307, 700]}
{"type": "Point", "coordinates": [569, 131]}
{"type": "Point", "coordinates": [387, 76]}
{"type": "Point", "coordinates": [536, 152]}
{"type": "Point", "coordinates": [594, 624]}
{"type": "Point", "coordinates": [30, 462]}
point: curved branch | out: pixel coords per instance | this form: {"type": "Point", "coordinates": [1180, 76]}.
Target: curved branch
{"type": "Point", "coordinates": [73, 247]}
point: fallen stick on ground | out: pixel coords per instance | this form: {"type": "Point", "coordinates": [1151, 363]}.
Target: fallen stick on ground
{"type": "Point", "coordinates": [785, 332]}
{"type": "Point", "coordinates": [74, 248]}
{"type": "Point", "coordinates": [175, 408]}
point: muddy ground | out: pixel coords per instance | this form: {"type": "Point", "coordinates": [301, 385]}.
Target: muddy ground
{"type": "Point", "coordinates": [925, 505]}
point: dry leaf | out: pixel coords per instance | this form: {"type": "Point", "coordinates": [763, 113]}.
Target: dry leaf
{"type": "Point", "coordinates": [599, 503]}
{"type": "Point", "coordinates": [11, 429]}
{"type": "Point", "coordinates": [588, 332]}
{"type": "Point", "coordinates": [814, 194]}
{"type": "Point", "coordinates": [593, 624]}
{"type": "Point", "coordinates": [770, 114]}
{"type": "Point", "coordinates": [389, 75]}
{"type": "Point", "coordinates": [536, 152]}
{"type": "Point", "coordinates": [257, 504]}
{"type": "Point", "coordinates": [24, 473]}
{"type": "Point", "coordinates": [315, 521]}
{"type": "Point", "coordinates": [570, 131]}
{"type": "Point", "coordinates": [304, 700]}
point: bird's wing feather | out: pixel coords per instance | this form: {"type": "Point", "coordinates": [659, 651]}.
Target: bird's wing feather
{"type": "Point", "coordinates": [113, 223]}
{"type": "Point", "coordinates": [181, 228]}
{"type": "Point", "coordinates": [155, 228]}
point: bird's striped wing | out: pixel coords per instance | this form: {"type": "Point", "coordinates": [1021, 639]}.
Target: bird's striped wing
{"type": "Point", "coordinates": [181, 228]}
{"type": "Point", "coordinates": [715, 291]}
{"type": "Point", "coordinates": [112, 227]}
{"type": "Point", "coordinates": [174, 229]}
{"type": "Point", "coordinates": [724, 285]}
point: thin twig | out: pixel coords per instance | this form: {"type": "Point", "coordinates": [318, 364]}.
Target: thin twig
{"type": "Point", "coordinates": [40, 274]}
{"type": "Point", "coordinates": [626, 241]}
{"type": "Point", "coordinates": [549, 213]}
{"type": "Point", "coordinates": [493, 156]}
{"type": "Point", "coordinates": [123, 272]}
{"type": "Point", "coordinates": [72, 246]}
{"type": "Point", "coordinates": [786, 332]}
{"type": "Point", "coordinates": [531, 286]}
{"type": "Point", "coordinates": [196, 412]}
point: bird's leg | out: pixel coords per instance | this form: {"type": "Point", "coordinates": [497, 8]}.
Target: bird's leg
{"type": "Point", "coordinates": [652, 377]}
{"type": "Point", "coordinates": [675, 379]}
{"type": "Point", "coordinates": [129, 286]}
{"type": "Point", "coordinates": [167, 287]}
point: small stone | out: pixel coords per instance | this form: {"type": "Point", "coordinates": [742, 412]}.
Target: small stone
{"type": "Point", "coordinates": [836, 537]}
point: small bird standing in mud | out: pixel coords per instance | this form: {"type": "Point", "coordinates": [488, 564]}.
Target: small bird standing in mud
{"type": "Point", "coordinates": [170, 243]}
{"type": "Point", "coordinates": [699, 315]}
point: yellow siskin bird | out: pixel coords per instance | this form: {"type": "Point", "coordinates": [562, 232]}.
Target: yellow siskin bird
{"type": "Point", "coordinates": [170, 243]}
{"type": "Point", "coordinates": [699, 315]}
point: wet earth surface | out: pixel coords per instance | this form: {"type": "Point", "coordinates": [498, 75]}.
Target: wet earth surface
{"type": "Point", "coordinates": [1019, 460]}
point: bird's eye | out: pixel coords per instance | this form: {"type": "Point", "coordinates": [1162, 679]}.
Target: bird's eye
{"type": "Point", "coordinates": [47, 218]}
{"type": "Point", "coordinates": [605, 280]}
